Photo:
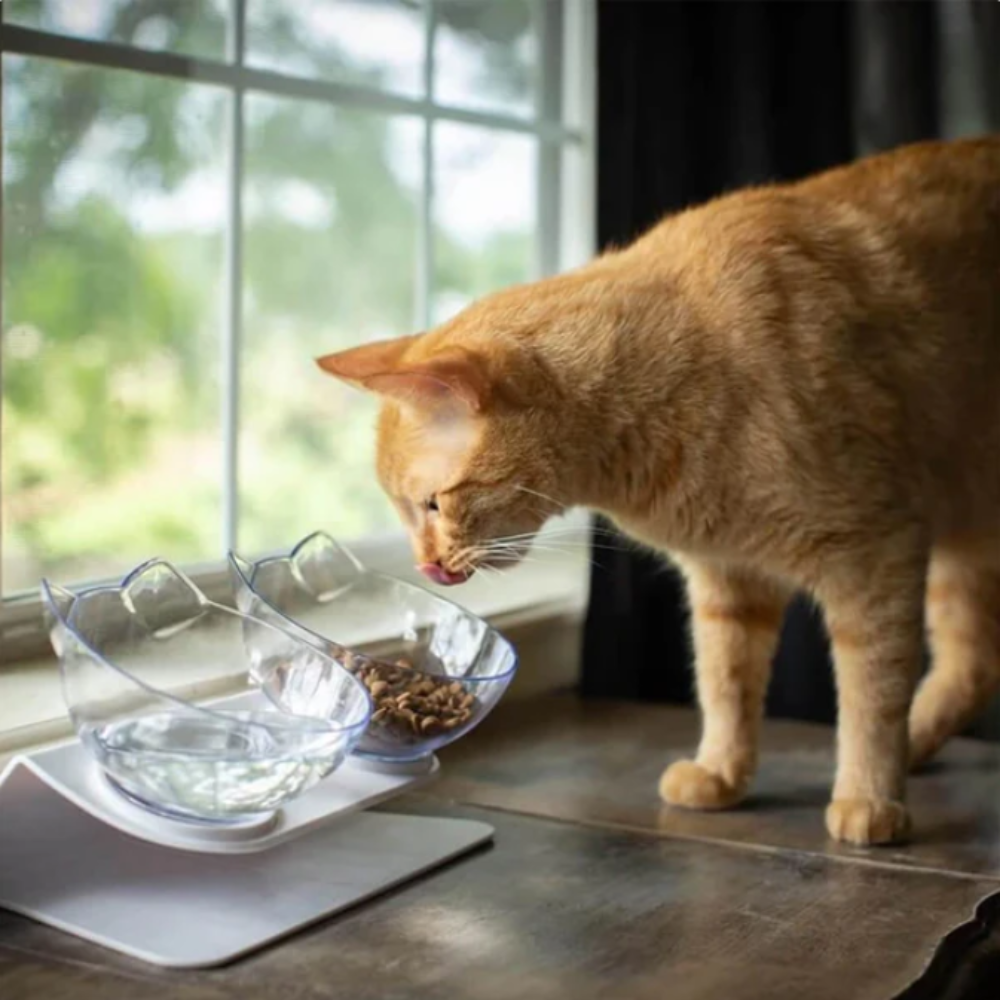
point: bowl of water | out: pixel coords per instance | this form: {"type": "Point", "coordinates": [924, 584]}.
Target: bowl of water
{"type": "Point", "coordinates": [432, 669]}
{"type": "Point", "coordinates": [236, 758]}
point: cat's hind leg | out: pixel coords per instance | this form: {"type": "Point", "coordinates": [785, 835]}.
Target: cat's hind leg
{"type": "Point", "coordinates": [735, 618]}
{"type": "Point", "coordinates": [963, 623]}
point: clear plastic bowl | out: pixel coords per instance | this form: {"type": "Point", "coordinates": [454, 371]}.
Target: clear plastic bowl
{"type": "Point", "coordinates": [118, 646]}
{"type": "Point", "coordinates": [434, 673]}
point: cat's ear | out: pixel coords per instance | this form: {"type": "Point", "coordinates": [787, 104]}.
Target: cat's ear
{"type": "Point", "coordinates": [454, 379]}
{"type": "Point", "coordinates": [358, 364]}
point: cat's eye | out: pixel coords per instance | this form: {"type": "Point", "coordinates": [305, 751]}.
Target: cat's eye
{"type": "Point", "coordinates": [431, 505]}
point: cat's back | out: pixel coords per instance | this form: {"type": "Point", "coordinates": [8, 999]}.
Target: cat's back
{"type": "Point", "coordinates": [874, 286]}
{"type": "Point", "coordinates": [919, 167]}
{"type": "Point", "coordinates": [935, 194]}
{"type": "Point", "coordinates": [918, 204]}
{"type": "Point", "coordinates": [909, 239]}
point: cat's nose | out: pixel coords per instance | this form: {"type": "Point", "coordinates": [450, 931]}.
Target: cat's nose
{"type": "Point", "coordinates": [436, 573]}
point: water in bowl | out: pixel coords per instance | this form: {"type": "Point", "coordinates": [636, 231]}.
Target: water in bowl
{"type": "Point", "coordinates": [226, 767]}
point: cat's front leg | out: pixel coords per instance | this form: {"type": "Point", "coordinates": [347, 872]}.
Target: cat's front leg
{"type": "Point", "coordinates": [736, 618]}
{"type": "Point", "coordinates": [876, 623]}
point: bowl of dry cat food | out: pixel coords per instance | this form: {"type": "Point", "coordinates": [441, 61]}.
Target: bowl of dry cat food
{"type": "Point", "coordinates": [432, 669]}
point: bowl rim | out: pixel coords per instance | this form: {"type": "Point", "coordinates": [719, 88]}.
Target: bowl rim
{"type": "Point", "coordinates": [322, 725]}
{"type": "Point", "coordinates": [235, 559]}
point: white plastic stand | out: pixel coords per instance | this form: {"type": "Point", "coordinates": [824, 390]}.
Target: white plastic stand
{"type": "Point", "coordinates": [75, 854]}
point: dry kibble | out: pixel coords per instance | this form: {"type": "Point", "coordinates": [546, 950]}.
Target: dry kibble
{"type": "Point", "coordinates": [409, 704]}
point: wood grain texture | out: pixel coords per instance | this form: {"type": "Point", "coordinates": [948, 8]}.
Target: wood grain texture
{"type": "Point", "coordinates": [565, 912]}
{"type": "Point", "coordinates": [599, 762]}
{"type": "Point", "coordinates": [598, 891]}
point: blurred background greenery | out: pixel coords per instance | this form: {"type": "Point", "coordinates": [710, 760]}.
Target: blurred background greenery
{"type": "Point", "coordinates": [115, 189]}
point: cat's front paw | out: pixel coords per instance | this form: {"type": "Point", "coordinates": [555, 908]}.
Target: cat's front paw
{"type": "Point", "coordinates": [867, 821]}
{"type": "Point", "coordinates": [688, 784]}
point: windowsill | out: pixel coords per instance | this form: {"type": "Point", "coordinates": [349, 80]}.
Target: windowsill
{"type": "Point", "coordinates": [539, 607]}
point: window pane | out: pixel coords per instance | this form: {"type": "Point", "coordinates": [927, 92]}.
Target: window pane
{"type": "Point", "coordinates": [112, 255]}
{"type": "Point", "coordinates": [331, 235]}
{"type": "Point", "coordinates": [191, 27]}
{"type": "Point", "coordinates": [486, 54]}
{"type": "Point", "coordinates": [484, 213]}
{"type": "Point", "coordinates": [377, 43]}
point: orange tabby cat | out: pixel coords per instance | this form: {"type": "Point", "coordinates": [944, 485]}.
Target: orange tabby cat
{"type": "Point", "coordinates": [794, 386]}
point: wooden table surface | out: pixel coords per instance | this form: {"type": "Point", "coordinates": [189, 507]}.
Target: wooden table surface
{"type": "Point", "coordinates": [592, 890]}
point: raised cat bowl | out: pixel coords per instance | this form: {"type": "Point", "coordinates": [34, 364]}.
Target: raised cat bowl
{"type": "Point", "coordinates": [119, 646]}
{"type": "Point", "coordinates": [433, 669]}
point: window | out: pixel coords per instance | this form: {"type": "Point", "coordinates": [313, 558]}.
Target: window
{"type": "Point", "coordinates": [198, 198]}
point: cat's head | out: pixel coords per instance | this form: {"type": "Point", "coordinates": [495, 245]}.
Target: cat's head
{"type": "Point", "coordinates": [464, 445]}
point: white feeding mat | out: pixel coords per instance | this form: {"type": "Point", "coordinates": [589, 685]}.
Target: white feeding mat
{"type": "Point", "coordinates": [74, 854]}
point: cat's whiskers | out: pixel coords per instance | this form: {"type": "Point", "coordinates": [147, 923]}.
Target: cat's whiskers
{"type": "Point", "coordinates": [542, 496]}
{"type": "Point", "coordinates": [517, 556]}
{"type": "Point", "coordinates": [525, 547]}
{"type": "Point", "coordinates": [556, 543]}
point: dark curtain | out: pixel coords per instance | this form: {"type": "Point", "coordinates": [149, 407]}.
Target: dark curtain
{"type": "Point", "coordinates": [697, 98]}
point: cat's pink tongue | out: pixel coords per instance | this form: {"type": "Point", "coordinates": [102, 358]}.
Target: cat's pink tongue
{"type": "Point", "coordinates": [438, 574]}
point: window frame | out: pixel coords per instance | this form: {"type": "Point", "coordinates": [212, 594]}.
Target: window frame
{"type": "Point", "coordinates": [563, 124]}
